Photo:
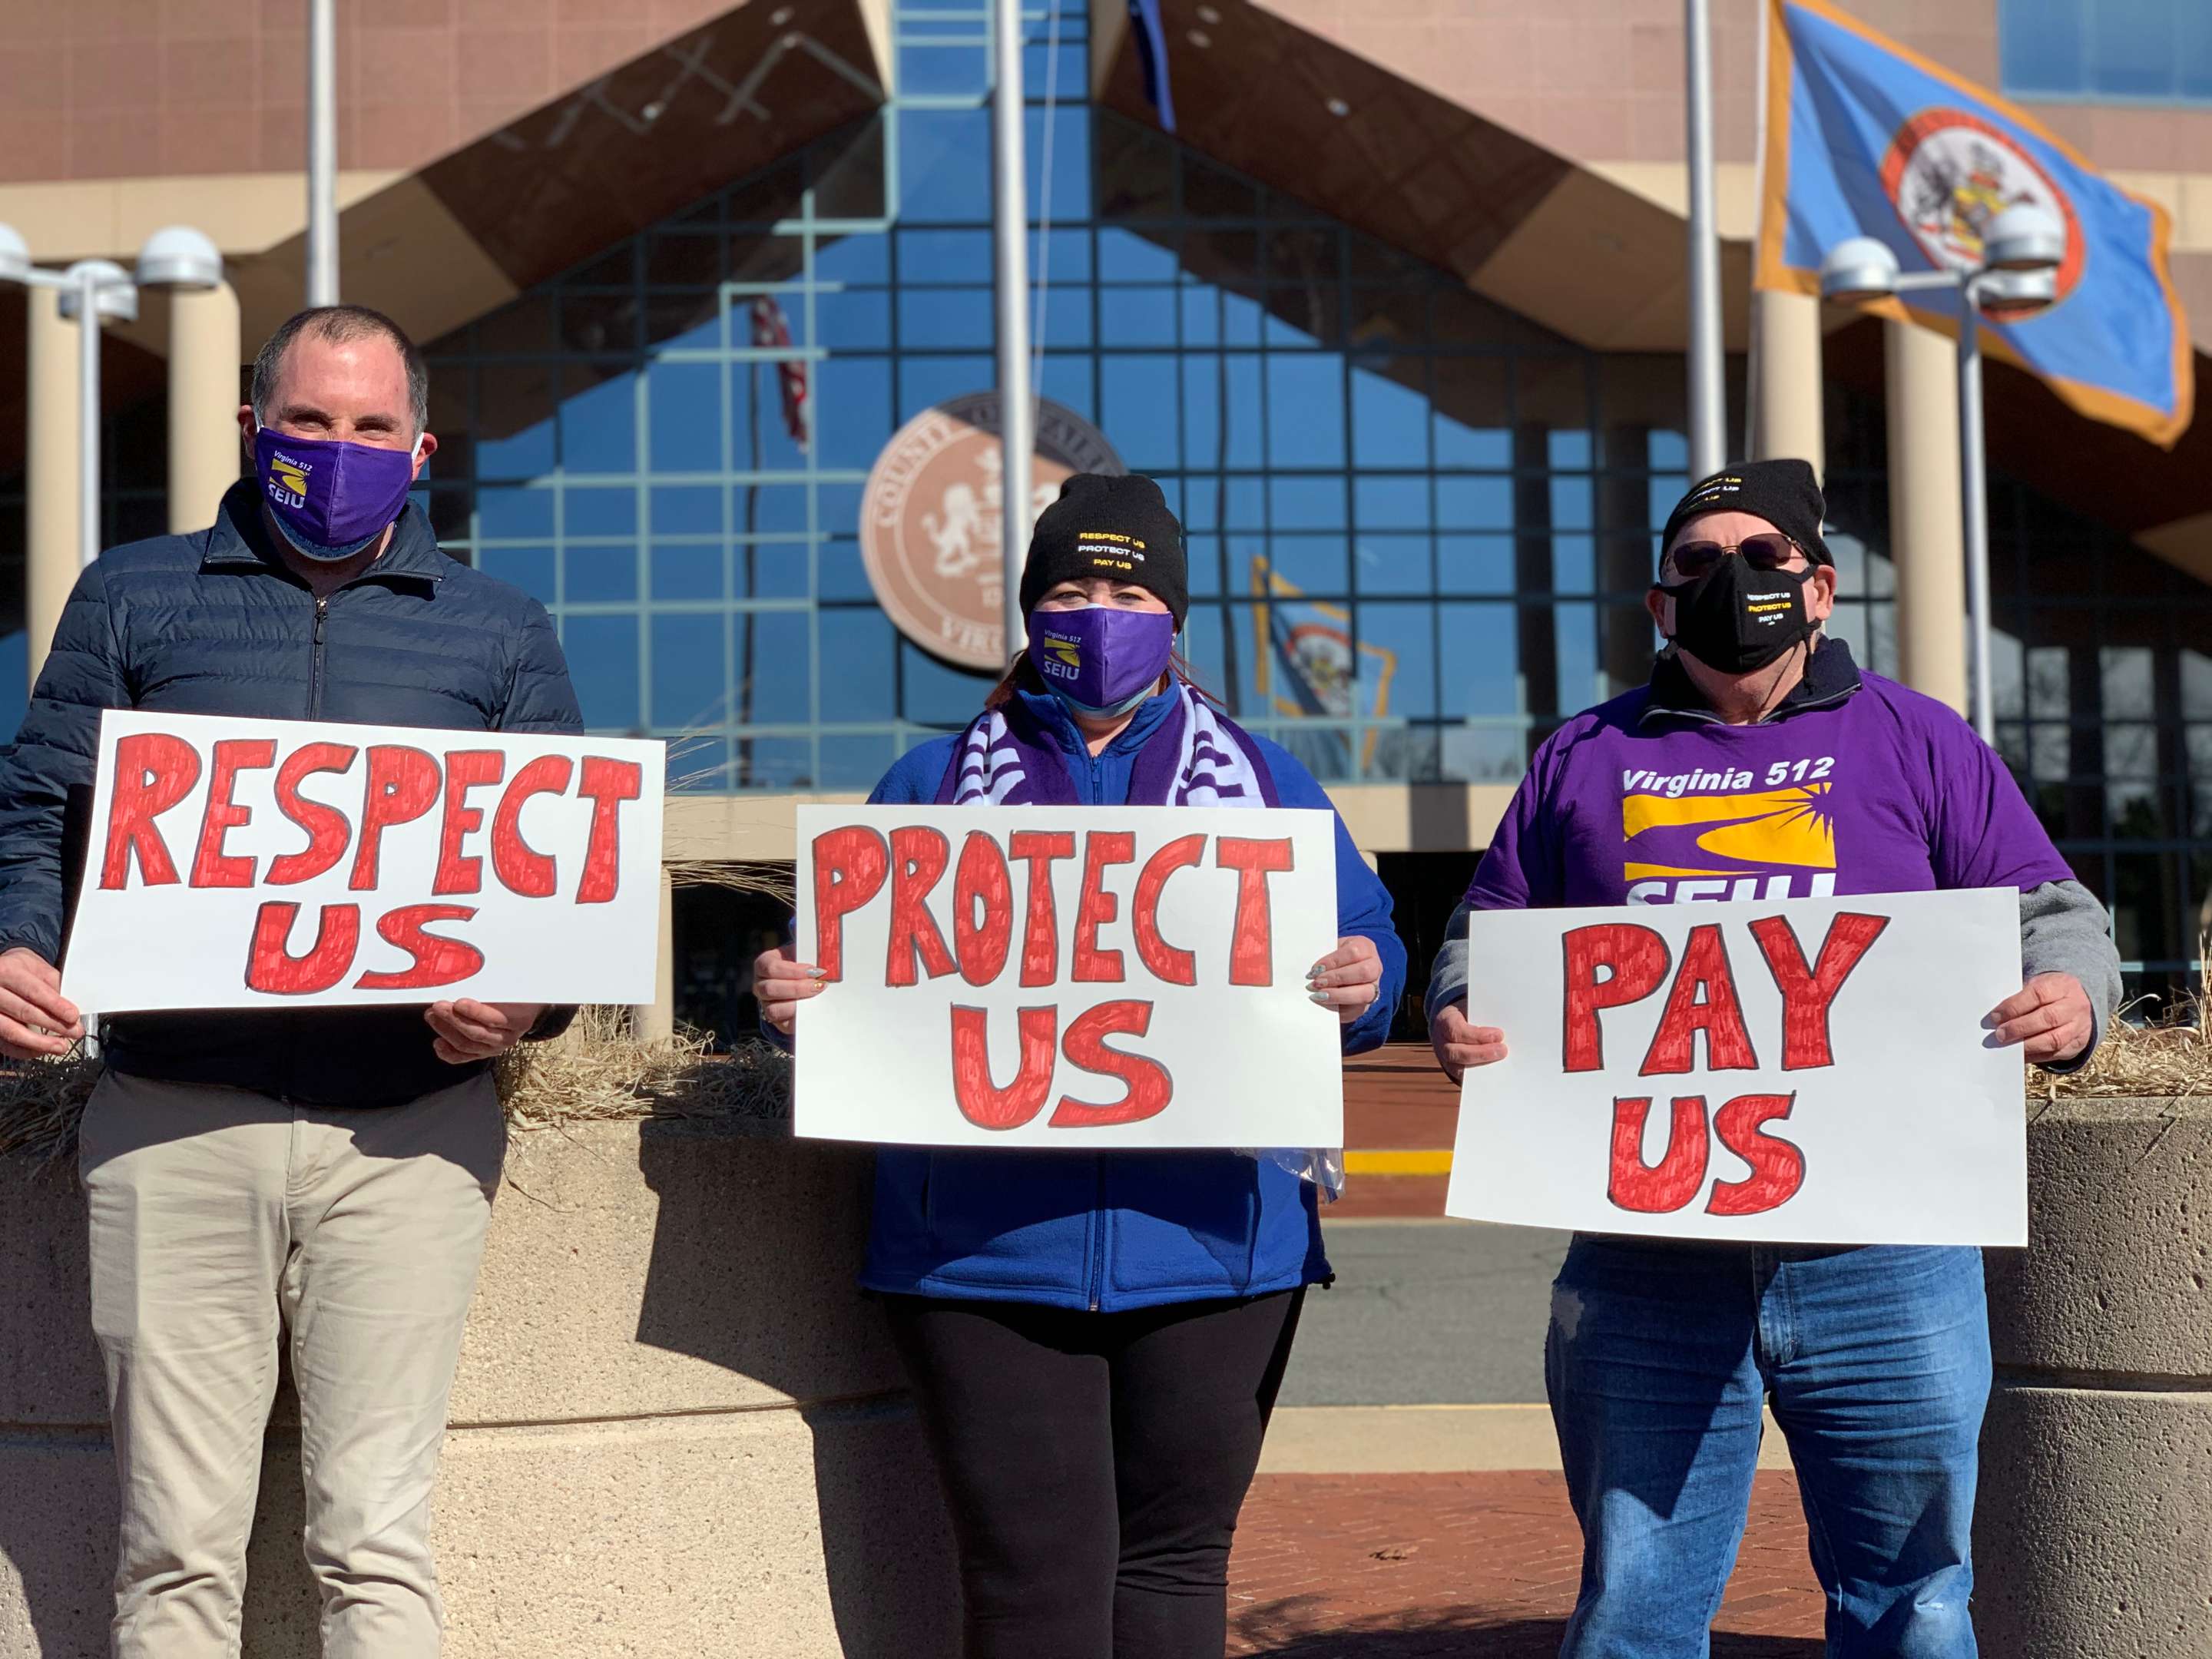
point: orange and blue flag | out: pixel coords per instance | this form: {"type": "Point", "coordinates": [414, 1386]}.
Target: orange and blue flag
{"type": "Point", "coordinates": [1865, 137]}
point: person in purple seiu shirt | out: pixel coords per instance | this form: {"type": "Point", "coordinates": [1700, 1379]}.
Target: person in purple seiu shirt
{"type": "Point", "coordinates": [1761, 763]}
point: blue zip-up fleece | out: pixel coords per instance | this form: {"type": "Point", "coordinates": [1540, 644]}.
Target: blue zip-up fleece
{"type": "Point", "coordinates": [213, 622]}
{"type": "Point", "coordinates": [1111, 1230]}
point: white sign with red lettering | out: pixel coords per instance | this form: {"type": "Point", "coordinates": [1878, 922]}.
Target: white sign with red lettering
{"type": "Point", "coordinates": [1803, 1071]}
{"type": "Point", "coordinates": [1081, 977]}
{"type": "Point", "coordinates": [265, 863]}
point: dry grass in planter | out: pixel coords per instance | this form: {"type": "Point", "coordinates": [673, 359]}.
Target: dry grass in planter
{"type": "Point", "coordinates": [598, 1071]}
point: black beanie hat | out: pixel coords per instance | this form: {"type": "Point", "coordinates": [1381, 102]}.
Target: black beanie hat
{"type": "Point", "coordinates": [1115, 525]}
{"type": "Point", "coordinates": [1784, 493]}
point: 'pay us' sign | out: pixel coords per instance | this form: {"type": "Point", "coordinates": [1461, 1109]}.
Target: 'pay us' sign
{"type": "Point", "coordinates": [1063, 976]}
{"type": "Point", "coordinates": [1806, 1071]}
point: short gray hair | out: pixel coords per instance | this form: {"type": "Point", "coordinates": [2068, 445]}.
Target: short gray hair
{"type": "Point", "coordinates": [340, 324]}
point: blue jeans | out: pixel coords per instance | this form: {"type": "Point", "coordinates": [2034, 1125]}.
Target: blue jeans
{"type": "Point", "coordinates": [1877, 1361]}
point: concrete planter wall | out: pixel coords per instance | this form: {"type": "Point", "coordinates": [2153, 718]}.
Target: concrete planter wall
{"type": "Point", "coordinates": [2093, 1538]}
{"type": "Point", "coordinates": [678, 1427]}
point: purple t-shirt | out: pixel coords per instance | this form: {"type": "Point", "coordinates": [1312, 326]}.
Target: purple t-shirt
{"type": "Point", "coordinates": [1880, 791]}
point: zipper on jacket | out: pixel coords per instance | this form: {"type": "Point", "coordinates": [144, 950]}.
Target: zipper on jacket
{"type": "Point", "coordinates": [1097, 1160]}
{"type": "Point", "coordinates": [315, 661]}
{"type": "Point", "coordinates": [1099, 1234]}
{"type": "Point", "coordinates": [294, 1065]}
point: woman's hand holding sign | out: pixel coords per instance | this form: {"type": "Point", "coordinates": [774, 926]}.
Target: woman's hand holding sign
{"type": "Point", "coordinates": [781, 982]}
{"type": "Point", "coordinates": [35, 1018]}
{"type": "Point", "coordinates": [1348, 979]}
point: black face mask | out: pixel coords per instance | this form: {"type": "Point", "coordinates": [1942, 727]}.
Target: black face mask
{"type": "Point", "coordinates": [1736, 619]}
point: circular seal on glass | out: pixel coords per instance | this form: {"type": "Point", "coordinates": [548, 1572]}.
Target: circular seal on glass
{"type": "Point", "coordinates": [931, 518]}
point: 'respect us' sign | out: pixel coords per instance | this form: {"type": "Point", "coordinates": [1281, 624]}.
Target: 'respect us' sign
{"type": "Point", "coordinates": [251, 863]}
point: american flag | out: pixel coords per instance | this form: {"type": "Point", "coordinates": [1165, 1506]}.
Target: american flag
{"type": "Point", "coordinates": [772, 332]}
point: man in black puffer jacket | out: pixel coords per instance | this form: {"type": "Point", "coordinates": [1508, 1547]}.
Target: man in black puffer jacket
{"type": "Point", "coordinates": [329, 1170]}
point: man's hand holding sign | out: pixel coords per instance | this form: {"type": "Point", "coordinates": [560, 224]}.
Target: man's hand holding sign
{"type": "Point", "coordinates": [1347, 980]}
{"type": "Point", "coordinates": [1810, 1070]}
{"type": "Point", "coordinates": [2049, 1018]}
{"type": "Point", "coordinates": [1131, 976]}
{"type": "Point", "coordinates": [35, 1018]}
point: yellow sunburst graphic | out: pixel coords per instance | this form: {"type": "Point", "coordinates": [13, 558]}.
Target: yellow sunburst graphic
{"type": "Point", "coordinates": [1764, 828]}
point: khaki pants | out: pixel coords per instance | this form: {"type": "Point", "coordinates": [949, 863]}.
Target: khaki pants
{"type": "Point", "coordinates": [217, 1214]}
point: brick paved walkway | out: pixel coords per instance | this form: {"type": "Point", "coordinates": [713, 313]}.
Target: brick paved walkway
{"type": "Point", "coordinates": [1474, 1566]}
{"type": "Point", "coordinates": [1470, 1565]}
{"type": "Point", "coordinates": [1396, 1100]}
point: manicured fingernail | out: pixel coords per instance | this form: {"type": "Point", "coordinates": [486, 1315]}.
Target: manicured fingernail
{"type": "Point", "coordinates": [817, 972]}
{"type": "Point", "coordinates": [1318, 968]}
{"type": "Point", "coordinates": [1319, 996]}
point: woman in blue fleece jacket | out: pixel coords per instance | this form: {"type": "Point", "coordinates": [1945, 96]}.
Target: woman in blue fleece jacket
{"type": "Point", "coordinates": [1096, 1340]}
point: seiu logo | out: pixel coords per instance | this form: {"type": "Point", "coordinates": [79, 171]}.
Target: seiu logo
{"type": "Point", "coordinates": [1689, 890]}
{"type": "Point", "coordinates": [1681, 844]}
{"type": "Point", "coordinates": [1060, 660]}
{"type": "Point", "coordinates": [288, 481]}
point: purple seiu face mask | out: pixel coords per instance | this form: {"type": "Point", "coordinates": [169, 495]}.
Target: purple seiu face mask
{"type": "Point", "coordinates": [1101, 659]}
{"type": "Point", "coordinates": [330, 498]}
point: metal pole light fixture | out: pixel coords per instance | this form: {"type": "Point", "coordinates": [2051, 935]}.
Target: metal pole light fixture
{"type": "Point", "coordinates": [94, 292]}
{"type": "Point", "coordinates": [2017, 277]}
{"type": "Point", "coordinates": [1708, 433]}
{"type": "Point", "coordinates": [1010, 227]}
{"type": "Point", "coordinates": [322, 153]}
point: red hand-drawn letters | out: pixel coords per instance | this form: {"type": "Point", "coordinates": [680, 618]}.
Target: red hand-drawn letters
{"type": "Point", "coordinates": [1611, 965]}
{"type": "Point", "coordinates": [854, 866]}
{"type": "Point", "coordinates": [399, 784]}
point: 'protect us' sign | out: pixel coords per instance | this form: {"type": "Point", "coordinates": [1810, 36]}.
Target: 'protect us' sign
{"type": "Point", "coordinates": [261, 863]}
{"type": "Point", "coordinates": [1066, 976]}
{"type": "Point", "coordinates": [1807, 1071]}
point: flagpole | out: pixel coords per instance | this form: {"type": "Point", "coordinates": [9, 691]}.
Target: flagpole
{"type": "Point", "coordinates": [322, 153]}
{"type": "Point", "coordinates": [1973, 490]}
{"type": "Point", "coordinates": [1708, 430]}
{"type": "Point", "coordinates": [1017, 415]}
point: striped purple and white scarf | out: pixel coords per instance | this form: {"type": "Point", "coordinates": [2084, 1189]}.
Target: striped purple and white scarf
{"type": "Point", "coordinates": [1196, 757]}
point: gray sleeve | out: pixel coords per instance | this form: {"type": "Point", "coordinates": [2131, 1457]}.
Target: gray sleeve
{"type": "Point", "coordinates": [2062, 930]}
{"type": "Point", "coordinates": [1448, 975]}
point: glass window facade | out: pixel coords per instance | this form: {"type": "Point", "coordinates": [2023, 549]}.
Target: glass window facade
{"type": "Point", "coordinates": [2110, 50]}
{"type": "Point", "coordinates": [2104, 682]}
{"type": "Point", "coordinates": [2102, 661]}
{"type": "Point", "coordinates": [1419, 527]}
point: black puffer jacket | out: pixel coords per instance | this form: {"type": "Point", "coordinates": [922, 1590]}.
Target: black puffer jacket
{"type": "Point", "coordinates": [214, 623]}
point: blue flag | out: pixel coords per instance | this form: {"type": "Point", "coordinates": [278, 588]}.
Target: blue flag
{"type": "Point", "coordinates": [1865, 137]}
{"type": "Point", "coordinates": [1152, 57]}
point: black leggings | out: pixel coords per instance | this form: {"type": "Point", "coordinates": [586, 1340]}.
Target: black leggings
{"type": "Point", "coordinates": [1094, 1464]}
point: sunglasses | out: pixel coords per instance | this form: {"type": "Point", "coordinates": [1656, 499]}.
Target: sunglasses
{"type": "Point", "coordinates": [1770, 551]}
